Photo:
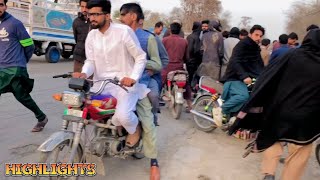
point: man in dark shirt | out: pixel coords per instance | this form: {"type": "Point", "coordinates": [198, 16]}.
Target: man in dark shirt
{"type": "Point", "coordinates": [245, 65]}
{"type": "Point", "coordinates": [177, 49]}
{"type": "Point", "coordinates": [80, 30]}
{"type": "Point", "coordinates": [194, 46]}
{"type": "Point", "coordinates": [283, 48]}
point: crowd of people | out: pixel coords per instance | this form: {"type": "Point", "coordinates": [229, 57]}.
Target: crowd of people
{"type": "Point", "coordinates": [287, 91]}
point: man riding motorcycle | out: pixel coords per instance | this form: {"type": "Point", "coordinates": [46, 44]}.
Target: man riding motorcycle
{"type": "Point", "coordinates": [245, 64]}
{"type": "Point", "coordinates": [113, 50]}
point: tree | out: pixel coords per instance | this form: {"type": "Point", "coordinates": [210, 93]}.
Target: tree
{"type": "Point", "coordinates": [301, 15]}
{"type": "Point", "coordinates": [198, 10]}
{"type": "Point", "coordinates": [176, 14]}
{"type": "Point", "coordinates": [225, 19]}
{"type": "Point", "coordinates": [245, 22]}
{"type": "Point", "coordinates": [151, 18]}
{"type": "Point", "coordinates": [116, 15]}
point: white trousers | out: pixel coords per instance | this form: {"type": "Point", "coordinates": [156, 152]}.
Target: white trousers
{"type": "Point", "coordinates": [126, 105]}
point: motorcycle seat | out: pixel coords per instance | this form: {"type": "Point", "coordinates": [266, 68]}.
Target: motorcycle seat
{"type": "Point", "coordinates": [209, 84]}
{"type": "Point", "coordinates": [178, 75]}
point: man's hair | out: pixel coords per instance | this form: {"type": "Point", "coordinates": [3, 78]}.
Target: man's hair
{"type": "Point", "coordinates": [225, 34]}
{"type": "Point", "coordinates": [312, 26]}
{"type": "Point", "coordinates": [205, 22]}
{"type": "Point", "coordinates": [83, 1]}
{"type": "Point", "coordinates": [265, 42]}
{"type": "Point", "coordinates": [158, 24]}
{"type": "Point", "coordinates": [133, 8]}
{"type": "Point", "coordinates": [104, 4]}
{"type": "Point", "coordinates": [244, 32]}
{"type": "Point", "coordinates": [257, 27]}
{"type": "Point", "coordinates": [274, 41]}
{"type": "Point", "coordinates": [175, 28]}
{"type": "Point", "coordinates": [5, 2]}
{"type": "Point", "coordinates": [293, 35]}
{"type": "Point", "coordinates": [283, 39]}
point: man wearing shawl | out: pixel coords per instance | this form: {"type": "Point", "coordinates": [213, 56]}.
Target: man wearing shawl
{"type": "Point", "coordinates": [288, 96]}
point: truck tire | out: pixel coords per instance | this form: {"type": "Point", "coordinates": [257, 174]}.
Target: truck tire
{"type": "Point", "coordinates": [66, 55]}
{"type": "Point", "coordinates": [53, 54]}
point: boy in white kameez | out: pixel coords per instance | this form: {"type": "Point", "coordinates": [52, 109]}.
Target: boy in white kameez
{"type": "Point", "coordinates": [113, 50]}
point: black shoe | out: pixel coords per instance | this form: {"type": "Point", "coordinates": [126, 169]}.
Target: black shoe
{"type": "Point", "coordinates": [269, 177]}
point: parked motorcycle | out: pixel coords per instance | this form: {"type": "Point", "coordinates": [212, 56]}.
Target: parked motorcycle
{"type": "Point", "coordinates": [173, 91]}
{"type": "Point", "coordinates": [207, 105]}
{"type": "Point", "coordinates": [85, 108]}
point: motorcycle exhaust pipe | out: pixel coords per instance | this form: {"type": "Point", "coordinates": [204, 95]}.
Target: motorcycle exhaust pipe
{"type": "Point", "coordinates": [203, 116]}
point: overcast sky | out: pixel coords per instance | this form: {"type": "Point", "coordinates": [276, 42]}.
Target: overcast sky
{"type": "Point", "coordinates": [268, 13]}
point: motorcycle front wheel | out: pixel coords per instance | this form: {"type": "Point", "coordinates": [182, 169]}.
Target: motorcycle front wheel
{"type": "Point", "coordinates": [201, 123]}
{"type": "Point", "coordinates": [61, 154]}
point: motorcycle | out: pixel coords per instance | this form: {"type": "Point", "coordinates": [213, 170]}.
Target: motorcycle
{"type": "Point", "coordinates": [173, 91]}
{"type": "Point", "coordinates": [86, 108]}
{"type": "Point", "coordinates": [207, 106]}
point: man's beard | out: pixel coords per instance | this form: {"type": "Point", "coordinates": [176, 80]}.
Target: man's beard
{"type": "Point", "coordinates": [99, 25]}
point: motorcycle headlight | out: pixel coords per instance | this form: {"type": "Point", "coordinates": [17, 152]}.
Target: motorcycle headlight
{"type": "Point", "coordinates": [74, 99]}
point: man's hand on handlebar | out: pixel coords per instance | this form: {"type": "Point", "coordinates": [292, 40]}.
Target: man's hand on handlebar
{"type": "Point", "coordinates": [128, 82]}
{"type": "Point", "coordinates": [79, 75]}
{"type": "Point", "coordinates": [247, 80]}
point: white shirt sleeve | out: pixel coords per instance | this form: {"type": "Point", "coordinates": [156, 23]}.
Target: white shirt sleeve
{"type": "Point", "coordinates": [89, 66]}
{"type": "Point", "coordinates": [140, 57]}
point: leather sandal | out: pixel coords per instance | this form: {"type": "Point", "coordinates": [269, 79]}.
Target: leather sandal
{"type": "Point", "coordinates": [133, 139]}
{"type": "Point", "coordinates": [40, 125]}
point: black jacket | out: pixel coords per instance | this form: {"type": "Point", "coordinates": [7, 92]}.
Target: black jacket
{"type": "Point", "coordinates": [80, 30]}
{"type": "Point", "coordinates": [289, 92]}
{"type": "Point", "coordinates": [245, 61]}
{"type": "Point", "coordinates": [194, 45]}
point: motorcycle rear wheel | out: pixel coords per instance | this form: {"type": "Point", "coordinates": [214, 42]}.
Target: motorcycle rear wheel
{"type": "Point", "coordinates": [63, 149]}
{"type": "Point", "coordinates": [201, 123]}
{"type": "Point", "coordinates": [175, 108]}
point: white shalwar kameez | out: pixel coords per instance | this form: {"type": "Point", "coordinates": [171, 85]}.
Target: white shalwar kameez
{"type": "Point", "coordinates": [117, 53]}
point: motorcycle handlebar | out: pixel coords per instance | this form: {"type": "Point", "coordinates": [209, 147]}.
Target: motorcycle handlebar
{"type": "Point", "coordinates": [63, 76]}
{"type": "Point", "coordinates": [114, 81]}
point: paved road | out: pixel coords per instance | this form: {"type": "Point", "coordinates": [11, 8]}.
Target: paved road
{"type": "Point", "coordinates": [184, 152]}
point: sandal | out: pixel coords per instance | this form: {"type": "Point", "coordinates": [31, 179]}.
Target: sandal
{"type": "Point", "coordinates": [133, 139]}
{"type": "Point", "coordinates": [40, 125]}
